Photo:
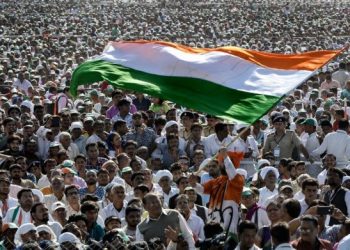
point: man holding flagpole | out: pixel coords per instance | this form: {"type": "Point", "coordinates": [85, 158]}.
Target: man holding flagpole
{"type": "Point", "coordinates": [225, 193]}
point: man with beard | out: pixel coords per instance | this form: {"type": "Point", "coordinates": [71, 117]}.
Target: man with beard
{"type": "Point", "coordinates": [337, 195]}
{"type": "Point", "coordinates": [40, 216]}
{"type": "Point", "coordinates": [133, 218]}
{"type": "Point", "coordinates": [6, 201]}
{"type": "Point", "coordinates": [9, 127]}
{"type": "Point", "coordinates": [21, 214]}
{"type": "Point", "coordinates": [16, 177]}
{"type": "Point", "coordinates": [92, 188]}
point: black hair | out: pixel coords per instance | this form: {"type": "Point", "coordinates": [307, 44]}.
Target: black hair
{"type": "Point", "coordinates": [246, 224]}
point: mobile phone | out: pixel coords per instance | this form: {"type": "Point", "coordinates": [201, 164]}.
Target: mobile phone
{"type": "Point", "coordinates": [324, 210]}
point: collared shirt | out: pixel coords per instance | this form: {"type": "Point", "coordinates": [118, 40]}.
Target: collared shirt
{"type": "Point", "coordinates": [241, 145]}
{"type": "Point", "coordinates": [330, 85]}
{"type": "Point", "coordinates": [304, 206]}
{"type": "Point", "coordinates": [10, 203]}
{"type": "Point", "coordinates": [196, 224]}
{"type": "Point", "coordinates": [112, 111]}
{"type": "Point", "coordinates": [99, 192]}
{"type": "Point", "coordinates": [185, 230]}
{"type": "Point", "coordinates": [321, 178]}
{"type": "Point", "coordinates": [110, 210]}
{"type": "Point", "coordinates": [71, 211]}
{"type": "Point", "coordinates": [183, 133]}
{"type": "Point", "coordinates": [50, 199]}
{"type": "Point", "coordinates": [336, 143]}
{"type": "Point", "coordinates": [166, 196]}
{"type": "Point", "coordinates": [127, 119]}
{"type": "Point", "coordinates": [81, 143]}
{"type": "Point", "coordinates": [312, 143]}
{"type": "Point", "coordinates": [212, 144]}
{"type": "Point", "coordinates": [72, 151]}
{"type": "Point", "coordinates": [265, 193]}
{"type": "Point", "coordinates": [146, 138]}
{"type": "Point", "coordinates": [342, 76]}
{"type": "Point", "coordinates": [93, 139]}
{"type": "Point", "coordinates": [97, 166]}
{"type": "Point", "coordinates": [22, 216]}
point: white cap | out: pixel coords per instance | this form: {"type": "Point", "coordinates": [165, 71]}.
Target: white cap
{"type": "Point", "coordinates": [76, 125]}
{"type": "Point", "coordinates": [163, 173]}
{"type": "Point", "coordinates": [68, 237]}
{"type": "Point", "coordinates": [57, 205]}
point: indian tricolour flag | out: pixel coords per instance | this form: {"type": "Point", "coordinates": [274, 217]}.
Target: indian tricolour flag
{"type": "Point", "coordinates": [228, 82]}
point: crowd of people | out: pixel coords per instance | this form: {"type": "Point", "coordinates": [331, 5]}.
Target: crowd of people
{"type": "Point", "coordinates": [116, 169]}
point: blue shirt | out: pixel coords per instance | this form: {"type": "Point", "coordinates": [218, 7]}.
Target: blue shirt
{"type": "Point", "coordinates": [99, 192]}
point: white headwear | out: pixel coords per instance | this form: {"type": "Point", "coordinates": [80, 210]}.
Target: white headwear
{"type": "Point", "coordinates": [169, 124]}
{"type": "Point", "coordinates": [28, 104]}
{"type": "Point", "coordinates": [47, 229]}
{"type": "Point", "coordinates": [345, 178]}
{"type": "Point", "coordinates": [76, 125]}
{"type": "Point", "coordinates": [163, 173]}
{"type": "Point", "coordinates": [267, 169]}
{"type": "Point", "coordinates": [23, 229]}
{"type": "Point", "coordinates": [262, 161]}
{"type": "Point", "coordinates": [68, 237]}
{"type": "Point", "coordinates": [242, 172]}
{"type": "Point", "coordinates": [38, 193]}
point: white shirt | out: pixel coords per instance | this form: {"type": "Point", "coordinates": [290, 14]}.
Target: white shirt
{"type": "Point", "coordinates": [72, 151]}
{"type": "Point", "coordinates": [303, 206]}
{"type": "Point", "coordinates": [344, 244]}
{"type": "Point", "coordinates": [110, 210]}
{"type": "Point", "coordinates": [11, 202]}
{"type": "Point", "coordinates": [26, 217]}
{"type": "Point", "coordinates": [336, 143]}
{"type": "Point", "coordinates": [263, 220]}
{"type": "Point", "coordinates": [24, 86]}
{"type": "Point", "coordinates": [56, 227]}
{"type": "Point", "coordinates": [212, 144]}
{"type": "Point", "coordinates": [43, 182]}
{"type": "Point", "coordinates": [166, 196]}
{"type": "Point", "coordinates": [299, 196]}
{"type": "Point", "coordinates": [264, 194]}
{"type": "Point", "coordinates": [243, 146]}
{"type": "Point", "coordinates": [196, 224]}
{"type": "Point", "coordinates": [321, 177]}
{"type": "Point", "coordinates": [194, 211]}
{"type": "Point", "coordinates": [50, 199]}
{"type": "Point", "coordinates": [93, 139]}
{"type": "Point", "coordinates": [14, 189]}
{"type": "Point", "coordinates": [312, 143]}
{"type": "Point", "coordinates": [342, 76]}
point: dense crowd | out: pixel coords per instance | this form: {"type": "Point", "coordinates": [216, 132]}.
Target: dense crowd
{"type": "Point", "coordinates": [116, 169]}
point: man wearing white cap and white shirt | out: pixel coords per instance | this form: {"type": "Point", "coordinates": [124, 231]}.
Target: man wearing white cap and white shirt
{"type": "Point", "coordinates": [269, 175]}
{"type": "Point", "coordinates": [164, 179]}
{"type": "Point", "coordinates": [246, 144]}
{"type": "Point", "coordinates": [76, 130]}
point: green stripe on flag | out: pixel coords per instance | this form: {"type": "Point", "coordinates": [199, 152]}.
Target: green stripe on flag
{"type": "Point", "coordinates": [201, 95]}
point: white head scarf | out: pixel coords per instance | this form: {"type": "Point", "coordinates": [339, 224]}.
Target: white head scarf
{"type": "Point", "coordinates": [267, 169]}
{"type": "Point", "coordinates": [47, 229]}
{"type": "Point", "coordinates": [163, 173]}
{"type": "Point", "coordinates": [169, 124]}
{"type": "Point", "coordinates": [23, 229]}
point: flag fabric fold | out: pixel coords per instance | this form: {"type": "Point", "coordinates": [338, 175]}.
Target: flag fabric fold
{"type": "Point", "coordinates": [228, 82]}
